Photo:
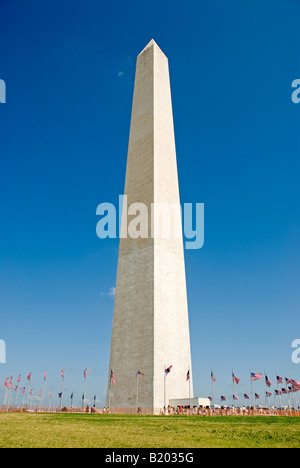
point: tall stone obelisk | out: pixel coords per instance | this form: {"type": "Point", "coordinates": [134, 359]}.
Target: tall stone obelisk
{"type": "Point", "coordinates": [150, 324]}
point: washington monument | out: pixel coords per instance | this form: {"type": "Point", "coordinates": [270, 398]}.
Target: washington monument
{"type": "Point", "coordinates": [150, 324]}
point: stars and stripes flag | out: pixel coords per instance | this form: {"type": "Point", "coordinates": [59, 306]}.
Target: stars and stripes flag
{"type": "Point", "coordinates": [45, 375]}
{"type": "Point", "coordinates": [29, 376]}
{"type": "Point", "coordinates": [247, 397]}
{"type": "Point", "coordinates": [223, 398]}
{"type": "Point", "coordinates": [235, 397]}
{"type": "Point", "coordinates": [23, 390]}
{"type": "Point", "coordinates": [255, 376]}
{"type": "Point", "coordinates": [278, 392]}
{"type": "Point", "coordinates": [188, 375]}
{"type": "Point", "coordinates": [62, 373]}
{"type": "Point", "coordinates": [168, 370]}
{"type": "Point", "coordinates": [257, 396]}
{"type": "Point", "coordinates": [235, 379]}
{"type": "Point", "coordinates": [139, 373]}
{"type": "Point", "coordinates": [212, 376]}
{"type": "Point", "coordinates": [210, 398]}
{"type": "Point", "coordinates": [268, 383]}
{"type": "Point", "coordinates": [84, 373]}
{"type": "Point", "coordinates": [112, 376]}
{"type": "Point", "coordinates": [268, 394]}
{"type": "Point", "coordinates": [5, 382]}
{"type": "Point", "coordinates": [279, 379]}
{"type": "Point", "coordinates": [284, 391]}
{"type": "Point", "coordinates": [19, 378]}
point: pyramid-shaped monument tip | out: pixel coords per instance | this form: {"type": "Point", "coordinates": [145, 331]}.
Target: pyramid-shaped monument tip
{"type": "Point", "coordinates": [152, 43]}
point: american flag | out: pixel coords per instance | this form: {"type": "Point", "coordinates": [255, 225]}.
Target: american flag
{"type": "Point", "coordinates": [112, 377]}
{"type": "Point", "coordinates": [19, 378]}
{"type": "Point", "coordinates": [212, 377]}
{"type": "Point", "coordinates": [235, 379]}
{"type": "Point", "coordinates": [62, 373]}
{"type": "Point", "coordinates": [235, 397]}
{"type": "Point", "coordinates": [23, 390]}
{"type": "Point", "coordinates": [247, 397]}
{"type": "Point", "coordinates": [139, 373]}
{"type": "Point", "coordinates": [268, 383]}
{"type": "Point", "coordinates": [45, 375]}
{"type": "Point", "coordinates": [278, 392]}
{"type": "Point", "coordinates": [168, 370]}
{"type": "Point", "coordinates": [284, 390]}
{"type": "Point", "coordinates": [84, 373]}
{"type": "Point", "coordinates": [29, 376]}
{"type": "Point", "coordinates": [223, 398]}
{"type": "Point", "coordinates": [257, 396]}
{"type": "Point", "coordinates": [279, 379]}
{"type": "Point", "coordinates": [255, 376]}
{"type": "Point", "coordinates": [268, 394]}
{"type": "Point", "coordinates": [210, 398]}
{"type": "Point", "coordinates": [188, 375]}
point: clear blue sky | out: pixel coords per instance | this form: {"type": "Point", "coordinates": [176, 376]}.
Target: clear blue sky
{"type": "Point", "coordinates": [69, 70]}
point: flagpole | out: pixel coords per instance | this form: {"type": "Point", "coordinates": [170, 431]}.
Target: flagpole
{"type": "Point", "coordinates": [213, 392]}
{"type": "Point", "coordinates": [137, 393]}
{"type": "Point", "coordinates": [288, 398]}
{"type": "Point", "coordinates": [62, 389]}
{"type": "Point", "coordinates": [233, 395]}
{"type": "Point", "coordinates": [266, 391]}
{"type": "Point", "coordinates": [42, 401]}
{"type": "Point", "coordinates": [84, 387]}
{"type": "Point", "coordinates": [29, 380]}
{"type": "Point", "coordinates": [279, 391]}
{"type": "Point", "coordinates": [4, 401]}
{"type": "Point", "coordinates": [165, 380]}
{"type": "Point", "coordinates": [190, 389]}
{"type": "Point", "coordinates": [252, 392]}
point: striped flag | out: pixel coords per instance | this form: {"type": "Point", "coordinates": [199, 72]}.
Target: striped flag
{"type": "Point", "coordinates": [257, 396]}
{"type": "Point", "coordinates": [84, 373]}
{"type": "Point", "coordinates": [235, 397]}
{"type": "Point", "coordinates": [112, 376]}
{"type": "Point", "coordinates": [235, 379]}
{"type": "Point", "coordinates": [279, 379]}
{"type": "Point", "coordinates": [223, 398]}
{"type": "Point", "coordinates": [247, 397]}
{"type": "Point", "coordinates": [29, 376]}
{"type": "Point", "coordinates": [168, 370]}
{"type": "Point", "coordinates": [188, 375]}
{"type": "Point", "coordinates": [268, 394]}
{"type": "Point", "coordinates": [139, 373]}
{"type": "Point", "coordinates": [212, 376]}
{"type": "Point", "coordinates": [268, 383]}
{"type": "Point", "coordinates": [62, 373]}
{"type": "Point", "coordinates": [255, 376]}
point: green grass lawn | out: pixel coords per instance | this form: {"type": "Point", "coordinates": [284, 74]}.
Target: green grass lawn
{"type": "Point", "coordinates": [112, 431]}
